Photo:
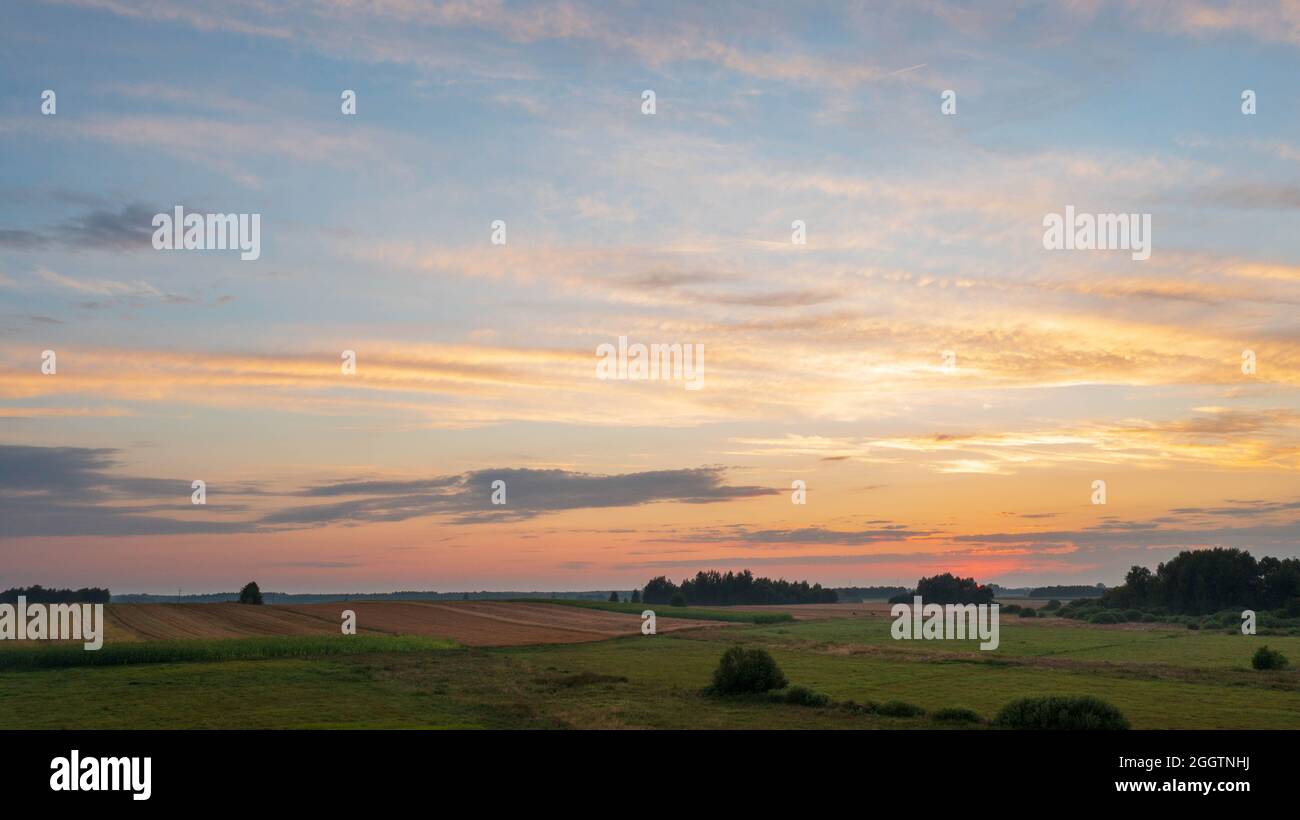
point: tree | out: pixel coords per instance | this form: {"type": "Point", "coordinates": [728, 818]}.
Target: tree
{"type": "Point", "coordinates": [636, 596]}
{"type": "Point", "coordinates": [613, 597]}
{"type": "Point", "coordinates": [250, 594]}
{"type": "Point", "coordinates": [746, 671]}
{"type": "Point", "coordinates": [949, 589]}
{"type": "Point", "coordinates": [678, 599]}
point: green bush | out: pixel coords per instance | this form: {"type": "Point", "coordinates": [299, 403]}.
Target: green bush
{"type": "Point", "coordinates": [957, 714]}
{"type": "Point", "coordinates": [1010, 609]}
{"type": "Point", "coordinates": [1132, 615]}
{"type": "Point", "coordinates": [250, 594]}
{"type": "Point", "coordinates": [1106, 618]}
{"type": "Point", "coordinates": [1052, 605]}
{"type": "Point", "coordinates": [1266, 658]}
{"type": "Point", "coordinates": [860, 708]}
{"type": "Point", "coordinates": [1193, 625]}
{"type": "Point", "coordinates": [1061, 712]}
{"type": "Point", "coordinates": [1028, 613]}
{"type": "Point", "coordinates": [746, 671]}
{"type": "Point", "coordinates": [801, 696]}
{"type": "Point", "coordinates": [898, 708]}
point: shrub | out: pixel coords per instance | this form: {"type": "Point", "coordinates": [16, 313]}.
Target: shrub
{"type": "Point", "coordinates": [1106, 618]}
{"type": "Point", "coordinates": [898, 708]}
{"type": "Point", "coordinates": [1266, 658]}
{"type": "Point", "coordinates": [1028, 613]}
{"type": "Point", "coordinates": [860, 708]}
{"type": "Point", "coordinates": [1061, 712]}
{"type": "Point", "coordinates": [250, 594]}
{"type": "Point", "coordinates": [957, 714]}
{"type": "Point", "coordinates": [801, 696]}
{"type": "Point", "coordinates": [746, 671]}
{"type": "Point", "coordinates": [1149, 618]}
{"type": "Point", "coordinates": [1132, 615]}
{"type": "Point", "coordinates": [1052, 605]}
{"type": "Point", "coordinates": [1010, 609]}
{"type": "Point", "coordinates": [1193, 625]}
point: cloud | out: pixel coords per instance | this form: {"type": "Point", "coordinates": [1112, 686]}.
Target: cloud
{"type": "Point", "coordinates": [80, 491]}
{"type": "Point", "coordinates": [529, 493]}
{"type": "Point", "coordinates": [74, 491]}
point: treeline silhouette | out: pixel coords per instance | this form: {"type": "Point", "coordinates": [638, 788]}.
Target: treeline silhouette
{"type": "Point", "coordinates": [713, 588]}
{"type": "Point", "coordinates": [1198, 582]}
{"type": "Point", "coordinates": [1067, 592]}
{"type": "Point", "coordinates": [947, 589]}
{"type": "Point", "coordinates": [868, 593]}
{"type": "Point", "coordinates": [40, 595]}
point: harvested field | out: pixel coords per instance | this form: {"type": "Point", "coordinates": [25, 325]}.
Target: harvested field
{"type": "Point", "coordinates": [472, 623]}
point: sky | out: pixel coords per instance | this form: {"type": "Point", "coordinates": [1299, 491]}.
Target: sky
{"type": "Point", "coordinates": [946, 387]}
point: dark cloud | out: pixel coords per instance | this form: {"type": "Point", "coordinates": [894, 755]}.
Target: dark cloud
{"type": "Point", "coordinates": [529, 493]}
{"type": "Point", "coordinates": [127, 227]}
{"type": "Point", "coordinates": [21, 240]}
{"type": "Point", "coordinates": [78, 491]}
{"type": "Point", "coordinates": [803, 535]}
{"type": "Point", "coordinates": [71, 491]}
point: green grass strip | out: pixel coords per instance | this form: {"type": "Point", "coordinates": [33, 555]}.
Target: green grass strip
{"type": "Point", "coordinates": [59, 655]}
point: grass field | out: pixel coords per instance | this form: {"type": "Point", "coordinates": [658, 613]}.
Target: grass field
{"type": "Point", "coordinates": [1160, 677]}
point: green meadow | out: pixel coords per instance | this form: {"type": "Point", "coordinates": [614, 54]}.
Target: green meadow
{"type": "Point", "coordinates": [1159, 677]}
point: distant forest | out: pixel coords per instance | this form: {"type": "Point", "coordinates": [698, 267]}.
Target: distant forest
{"type": "Point", "coordinates": [713, 588]}
{"type": "Point", "coordinates": [853, 594]}
{"type": "Point", "coordinates": [1068, 592]}
{"type": "Point", "coordinates": [40, 595]}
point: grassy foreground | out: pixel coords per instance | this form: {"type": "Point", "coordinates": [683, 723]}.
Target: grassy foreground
{"type": "Point", "coordinates": [1160, 678]}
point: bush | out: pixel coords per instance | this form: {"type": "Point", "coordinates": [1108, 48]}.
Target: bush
{"type": "Point", "coordinates": [859, 708]}
{"type": "Point", "coordinates": [250, 594]}
{"type": "Point", "coordinates": [1266, 658]}
{"type": "Point", "coordinates": [613, 597]}
{"type": "Point", "coordinates": [898, 708]}
{"type": "Point", "coordinates": [746, 671]}
{"type": "Point", "coordinates": [1149, 618]}
{"type": "Point", "coordinates": [1010, 609]}
{"type": "Point", "coordinates": [1052, 605]}
{"type": "Point", "coordinates": [1028, 613]}
{"type": "Point", "coordinates": [1133, 615]}
{"type": "Point", "coordinates": [1106, 618]}
{"type": "Point", "coordinates": [957, 714]}
{"type": "Point", "coordinates": [1061, 712]}
{"type": "Point", "coordinates": [678, 599]}
{"type": "Point", "coordinates": [1193, 625]}
{"type": "Point", "coordinates": [801, 696]}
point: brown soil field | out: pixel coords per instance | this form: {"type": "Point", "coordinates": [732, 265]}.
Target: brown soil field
{"type": "Point", "coordinates": [472, 623]}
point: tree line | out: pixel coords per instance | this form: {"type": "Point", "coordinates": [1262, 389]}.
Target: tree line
{"type": "Point", "coordinates": [947, 589]}
{"type": "Point", "coordinates": [38, 594]}
{"type": "Point", "coordinates": [713, 588]}
{"type": "Point", "coordinates": [1198, 582]}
